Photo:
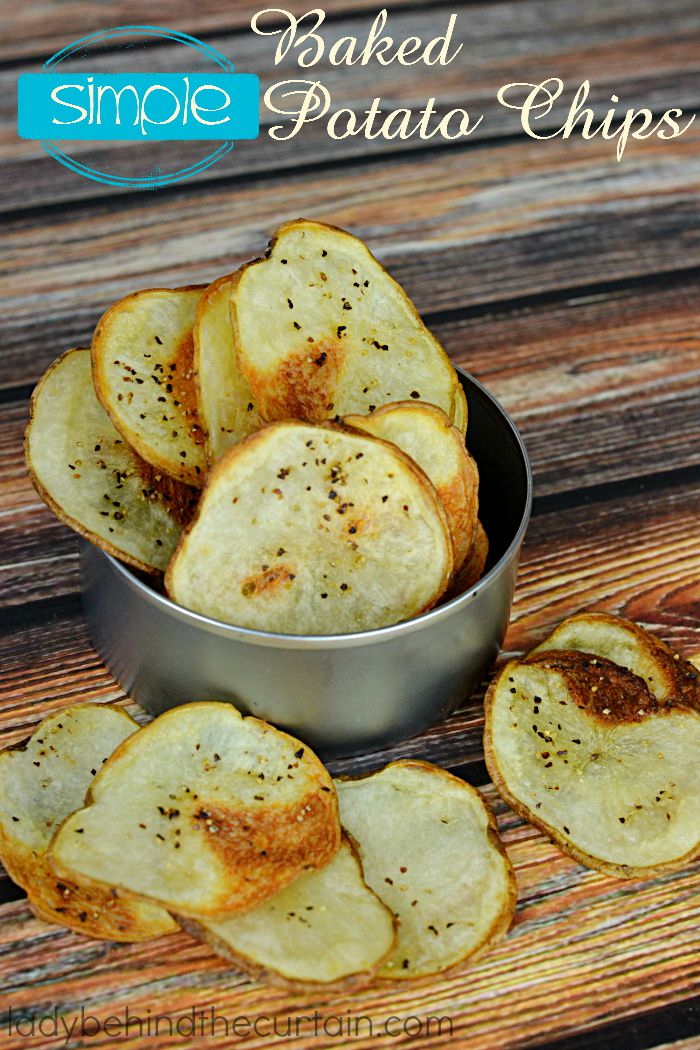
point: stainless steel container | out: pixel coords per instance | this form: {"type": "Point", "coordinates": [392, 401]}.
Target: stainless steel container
{"type": "Point", "coordinates": [340, 693]}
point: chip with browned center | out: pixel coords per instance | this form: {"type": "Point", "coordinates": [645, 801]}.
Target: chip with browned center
{"type": "Point", "coordinates": [424, 433]}
{"type": "Point", "coordinates": [42, 781]}
{"type": "Point", "coordinates": [92, 479]}
{"type": "Point", "coordinates": [321, 329]}
{"type": "Point", "coordinates": [313, 530]}
{"type": "Point", "coordinates": [582, 749]}
{"type": "Point", "coordinates": [203, 812]}
{"type": "Point", "coordinates": [143, 366]}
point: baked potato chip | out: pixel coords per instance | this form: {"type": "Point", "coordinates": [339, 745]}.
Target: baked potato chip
{"type": "Point", "coordinates": [142, 362]}
{"type": "Point", "coordinates": [313, 530]}
{"type": "Point", "coordinates": [580, 748]}
{"type": "Point", "coordinates": [424, 433]}
{"type": "Point", "coordinates": [461, 412]}
{"type": "Point", "coordinates": [430, 849]}
{"type": "Point", "coordinates": [327, 927]}
{"type": "Point", "coordinates": [225, 402]}
{"type": "Point", "coordinates": [321, 329]}
{"type": "Point", "coordinates": [88, 475]}
{"type": "Point", "coordinates": [41, 782]}
{"type": "Point", "coordinates": [204, 812]}
{"type": "Point", "coordinates": [473, 568]}
{"type": "Point", "coordinates": [669, 677]}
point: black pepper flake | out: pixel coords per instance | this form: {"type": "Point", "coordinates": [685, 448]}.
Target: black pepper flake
{"type": "Point", "coordinates": [159, 340]}
{"type": "Point", "coordinates": [415, 394]}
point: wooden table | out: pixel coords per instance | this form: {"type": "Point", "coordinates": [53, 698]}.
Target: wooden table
{"type": "Point", "coordinates": [567, 283]}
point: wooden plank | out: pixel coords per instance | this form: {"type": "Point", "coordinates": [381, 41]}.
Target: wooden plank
{"type": "Point", "coordinates": [620, 47]}
{"type": "Point", "coordinates": [47, 27]}
{"type": "Point", "coordinates": [515, 221]}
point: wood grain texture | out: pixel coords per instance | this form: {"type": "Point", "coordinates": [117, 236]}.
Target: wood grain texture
{"type": "Point", "coordinates": [517, 220]}
{"type": "Point", "coordinates": [622, 46]}
{"type": "Point", "coordinates": [570, 285]}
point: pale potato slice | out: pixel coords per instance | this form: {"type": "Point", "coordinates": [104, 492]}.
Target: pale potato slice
{"type": "Point", "coordinates": [326, 928]}
{"type": "Point", "coordinates": [204, 812]}
{"type": "Point", "coordinates": [668, 676]}
{"type": "Point", "coordinates": [430, 849]}
{"type": "Point", "coordinates": [424, 433]}
{"type": "Point", "coordinates": [142, 362]}
{"type": "Point", "coordinates": [473, 568]}
{"type": "Point", "coordinates": [461, 412]}
{"type": "Point", "coordinates": [580, 748]}
{"type": "Point", "coordinates": [89, 476]}
{"type": "Point", "coordinates": [41, 782]}
{"type": "Point", "coordinates": [225, 401]}
{"type": "Point", "coordinates": [321, 329]}
{"type": "Point", "coordinates": [313, 530]}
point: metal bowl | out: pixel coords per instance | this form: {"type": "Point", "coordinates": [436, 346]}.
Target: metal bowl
{"type": "Point", "coordinates": [340, 693]}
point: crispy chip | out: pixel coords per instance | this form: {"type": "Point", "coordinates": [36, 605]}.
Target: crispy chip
{"type": "Point", "coordinates": [425, 434]}
{"type": "Point", "coordinates": [313, 530]}
{"type": "Point", "coordinates": [580, 748]}
{"type": "Point", "coordinates": [321, 329]}
{"type": "Point", "coordinates": [327, 927]}
{"type": "Point", "coordinates": [225, 402]}
{"type": "Point", "coordinates": [429, 848]}
{"type": "Point", "coordinates": [204, 812]}
{"type": "Point", "coordinates": [669, 677]}
{"type": "Point", "coordinates": [41, 782]}
{"type": "Point", "coordinates": [142, 361]}
{"type": "Point", "coordinates": [87, 474]}
{"type": "Point", "coordinates": [473, 568]}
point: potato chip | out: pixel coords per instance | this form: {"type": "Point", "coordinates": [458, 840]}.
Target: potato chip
{"type": "Point", "coordinates": [668, 676]}
{"type": "Point", "coordinates": [430, 849]}
{"type": "Point", "coordinates": [313, 530]}
{"type": "Point", "coordinates": [204, 812]}
{"type": "Point", "coordinates": [424, 433]}
{"type": "Point", "coordinates": [461, 413]}
{"type": "Point", "coordinates": [473, 568]}
{"type": "Point", "coordinates": [41, 782]}
{"type": "Point", "coordinates": [327, 927]}
{"type": "Point", "coordinates": [321, 329]}
{"type": "Point", "coordinates": [582, 749]}
{"type": "Point", "coordinates": [225, 402]}
{"type": "Point", "coordinates": [87, 474]}
{"type": "Point", "coordinates": [142, 361]}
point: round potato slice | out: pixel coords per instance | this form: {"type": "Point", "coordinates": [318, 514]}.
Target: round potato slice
{"type": "Point", "coordinates": [89, 476]}
{"type": "Point", "coordinates": [313, 530]}
{"type": "Point", "coordinates": [430, 849]}
{"type": "Point", "coordinates": [225, 402]}
{"type": "Point", "coordinates": [424, 433]}
{"type": "Point", "coordinates": [580, 748]}
{"type": "Point", "coordinates": [204, 812]}
{"type": "Point", "coordinates": [460, 415]}
{"type": "Point", "coordinates": [142, 362]}
{"type": "Point", "coordinates": [41, 782]}
{"type": "Point", "coordinates": [326, 928]}
{"type": "Point", "coordinates": [321, 329]}
{"type": "Point", "coordinates": [668, 676]}
{"type": "Point", "coordinates": [473, 568]}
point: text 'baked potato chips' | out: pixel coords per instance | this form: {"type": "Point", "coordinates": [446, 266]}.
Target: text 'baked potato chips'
{"type": "Point", "coordinates": [43, 781]}
{"type": "Point", "coordinates": [668, 676]}
{"type": "Point", "coordinates": [321, 329]}
{"type": "Point", "coordinates": [582, 749]}
{"type": "Point", "coordinates": [89, 476]}
{"type": "Point", "coordinates": [313, 530]}
{"type": "Point", "coordinates": [326, 927]}
{"type": "Point", "coordinates": [226, 407]}
{"type": "Point", "coordinates": [204, 812]}
{"type": "Point", "coordinates": [430, 849]}
{"type": "Point", "coordinates": [424, 433]}
{"type": "Point", "coordinates": [142, 360]}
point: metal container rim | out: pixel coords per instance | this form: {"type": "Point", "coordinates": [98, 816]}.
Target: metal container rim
{"type": "Point", "coordinates": [340, 641]}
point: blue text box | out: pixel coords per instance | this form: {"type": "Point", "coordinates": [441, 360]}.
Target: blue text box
{"type": "Point", "coordinates": [126, 107]}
